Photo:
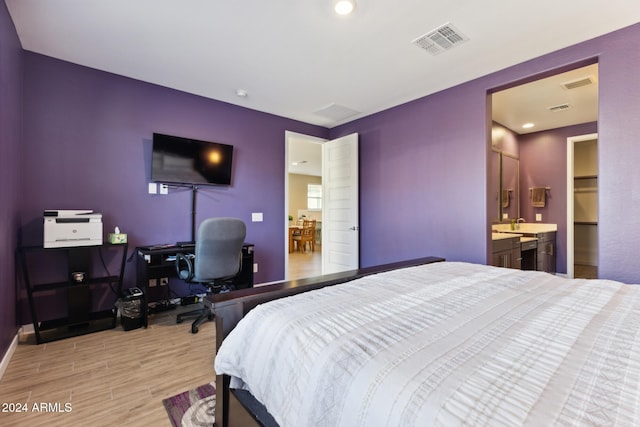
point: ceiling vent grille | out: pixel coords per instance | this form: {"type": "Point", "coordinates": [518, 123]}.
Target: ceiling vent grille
{"type": "Point", "coordinates": [574, 84]}
{"type": "Point", "coordinates": [442, 38]}
{"type": "Point", "coordinates": [336, 112]}
{"type": "Point", "coordinates": [561, 107]}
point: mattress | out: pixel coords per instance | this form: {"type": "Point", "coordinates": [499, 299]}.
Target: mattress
{"type": "Point", "coordinates": [444, 344]}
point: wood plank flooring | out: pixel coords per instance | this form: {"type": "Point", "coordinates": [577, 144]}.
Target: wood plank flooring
{"type": "Point", "coordinates": [305, 264]}
{"type": "Point", "coordinates": [109, 378]}
{"type": "Point", "coordinates": [585, 271]}
{"type": "Point", "coordinates": [115, 377]}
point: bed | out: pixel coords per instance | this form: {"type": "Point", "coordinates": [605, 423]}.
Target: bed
{"type": "Point", "coordinates": [436, 343]}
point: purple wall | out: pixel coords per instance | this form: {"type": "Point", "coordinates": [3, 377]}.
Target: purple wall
{"type": "Point", "coordinates": [10, 125]}
{"type": "Point", "coordinates": [424, 165]}
{"type": "Point", "coordinates": [89, 142]}
{"type": "Point", "coordinates": [543, 163]}
{"type": "Point", "coordinates": [423, 178]}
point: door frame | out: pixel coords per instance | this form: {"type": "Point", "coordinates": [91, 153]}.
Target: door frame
{"type": "Point", "coordinates": [571, 141]}
{"type": "Point", "coordinates": [288, 137]}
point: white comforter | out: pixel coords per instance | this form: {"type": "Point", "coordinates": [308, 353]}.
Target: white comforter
{"type": "Point", "coordinates": [444, 344]}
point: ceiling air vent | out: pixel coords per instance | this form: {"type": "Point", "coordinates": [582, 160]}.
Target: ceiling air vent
{"type": "Point", "coordinates": [561, 107]}
{"type": "Point", "coordinates": [573, 84]}
{"type": "Point", "coordinates": [442, 38]}
{"type": "Point", "coordinates": [336, 112]}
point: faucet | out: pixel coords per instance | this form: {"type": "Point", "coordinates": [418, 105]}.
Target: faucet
{"type": "Point", "coordinates": [518, 221]}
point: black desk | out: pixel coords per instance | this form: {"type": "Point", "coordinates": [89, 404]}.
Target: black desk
{"type": "Point", "coordinates": [153, 263]}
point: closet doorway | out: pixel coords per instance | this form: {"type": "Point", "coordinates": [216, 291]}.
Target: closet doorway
{"type": "Point", "coordinates": [582, 206]}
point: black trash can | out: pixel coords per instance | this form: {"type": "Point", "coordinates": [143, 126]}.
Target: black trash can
{"type": "Point", "coordinates": [130, 306]}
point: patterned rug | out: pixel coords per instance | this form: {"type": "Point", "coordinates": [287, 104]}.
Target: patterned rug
{"type": "Point", "coordinates": [192, 408]}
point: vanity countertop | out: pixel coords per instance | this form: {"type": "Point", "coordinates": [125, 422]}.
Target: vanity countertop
{"type": "Point", "coordinates": [500, 236]}
{"type": "Point", "coordinates": [526, 228]}
{"type": "Point", "coordinates": [525, 239]}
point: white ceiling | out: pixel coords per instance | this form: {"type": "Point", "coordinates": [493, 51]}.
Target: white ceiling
{"type": "Point", "coordinates": [527, 103]}
{"type": "Point", "coordinates": [531, 102]}
{"type": "Point", "coordinates": [304, 155]}
{"type": "Point", "coordinates": [294, 57]}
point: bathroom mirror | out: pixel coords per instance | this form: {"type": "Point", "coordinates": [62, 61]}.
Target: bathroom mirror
{"type": "Point", "coordinates": [505, 185]}
{"type": "Point", "coordinates": [510, 203]}
{"type": "Point", "coordinates": [495, 186]}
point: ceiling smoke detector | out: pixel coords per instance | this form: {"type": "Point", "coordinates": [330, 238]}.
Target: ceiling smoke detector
{"type": "Point", "coordinates": [443, 38]}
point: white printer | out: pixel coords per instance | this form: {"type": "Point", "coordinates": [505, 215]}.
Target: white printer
{"type": "Point", "coordinates": [65, 228]}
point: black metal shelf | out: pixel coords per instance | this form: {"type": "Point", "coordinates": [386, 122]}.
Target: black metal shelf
{"type": "Point", "coordinates": [65, 284]}
{"type": "Point", "coordinates": [89, 321]}
{"type": "Point", "coordinates": [56, 329]}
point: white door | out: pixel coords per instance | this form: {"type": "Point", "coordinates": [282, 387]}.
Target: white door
{"type": "Point", "coordinates": [340, 226]}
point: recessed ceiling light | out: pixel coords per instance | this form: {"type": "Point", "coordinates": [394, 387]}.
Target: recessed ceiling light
{"type": "Point", "coordinates": [241, 93]}
{"type": "Point", "coordinates": [344, 7]}
{"type": "Point", "coordinates": [528, 125]}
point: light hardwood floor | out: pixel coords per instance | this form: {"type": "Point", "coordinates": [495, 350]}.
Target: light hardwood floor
{"type": "Point", "coordinates": [116, 377]}
{"type": "Point", "coordinates": [109, 378]}
{"type": "Point", "coordinates": [305, 264]}
{"type": "Point", "coordinates": [585, 271]}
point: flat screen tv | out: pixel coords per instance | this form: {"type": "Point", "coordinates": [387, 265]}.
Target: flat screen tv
{"type": "Point", "coordinates": [177, 160]}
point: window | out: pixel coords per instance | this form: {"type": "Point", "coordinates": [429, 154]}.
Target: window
{"type": "Point", "coordinates": [314, 197]}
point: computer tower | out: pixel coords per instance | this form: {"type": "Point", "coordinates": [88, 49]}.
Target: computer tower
{"type": "Point", "coordinates": [244, 279]}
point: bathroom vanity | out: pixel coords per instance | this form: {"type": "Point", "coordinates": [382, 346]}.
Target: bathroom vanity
{"type": "Point", "coordinates": [532, 246]}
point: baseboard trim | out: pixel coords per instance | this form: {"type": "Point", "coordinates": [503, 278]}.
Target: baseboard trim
{"type": "Point", "coordinates": [8, 355]}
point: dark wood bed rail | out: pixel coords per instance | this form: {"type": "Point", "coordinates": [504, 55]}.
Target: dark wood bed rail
{"type": "Point", "coordinates": [231, 307]}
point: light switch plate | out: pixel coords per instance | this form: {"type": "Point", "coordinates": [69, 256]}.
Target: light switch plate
{"type": "Point", "coordinates": [538, 217]}
{"type": "Point", "coordinates": [153, 188]}
{"type": "Point", "coordinates": [256, 217]}
{"type": "Point", "coordinates": [505, 216]}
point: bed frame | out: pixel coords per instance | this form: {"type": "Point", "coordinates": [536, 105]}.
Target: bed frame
{"type": "Point", "coordinates": [230, 307]}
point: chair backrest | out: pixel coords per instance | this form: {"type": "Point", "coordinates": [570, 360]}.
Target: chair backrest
{"type": "Point", "coordinates": [218, 249]}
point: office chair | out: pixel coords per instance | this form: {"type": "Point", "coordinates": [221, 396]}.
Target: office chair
{"type": "Point", "coordinates": [217, 259]}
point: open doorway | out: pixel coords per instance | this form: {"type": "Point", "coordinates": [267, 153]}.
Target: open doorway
{"type": "Point", "coordinates": [540, 116]}
{"type": "Point", "coordinates": [582, 206]}
{"type": "Point", "coordinates": [303, 201]}
{"type": "Point", "coordinates": [336, 243]}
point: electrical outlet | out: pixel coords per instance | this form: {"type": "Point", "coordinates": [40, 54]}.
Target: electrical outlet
{"type": "Point", "coordinates": [164, 189]}
{"type": "Point", "coordinates": [255, 267]}
{"type": "Point", "coordinates": [164, 281]}
{"type": "Point", "coordinates": [153, 282]}
{"type": "Point", "coordinates": [538, 217]}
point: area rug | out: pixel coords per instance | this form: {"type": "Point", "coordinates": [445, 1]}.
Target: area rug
{"type": "Point", "coordinates": [192, 408]}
